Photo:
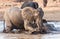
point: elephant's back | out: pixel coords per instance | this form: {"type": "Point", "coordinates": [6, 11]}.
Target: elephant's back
{"type": "Point", "coordinates": [15, 16]}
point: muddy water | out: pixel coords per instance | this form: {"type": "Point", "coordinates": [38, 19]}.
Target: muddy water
{"type": "Point", "coordinates": [53, 29]}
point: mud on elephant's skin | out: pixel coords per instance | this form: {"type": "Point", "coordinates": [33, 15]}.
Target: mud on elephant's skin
{"type": "Point", "coordinates": [34, 5]}
{"type": "Point", "coordinates": [32, 19]}
{"type": "Point", "coordinates": [27, 19]}
{"type": "Point", "coordinates": [13, 19]}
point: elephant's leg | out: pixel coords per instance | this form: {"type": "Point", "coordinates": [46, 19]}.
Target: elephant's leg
{"type": "Point", "coordinates": [41, 27]}
{"type": "Point", "coordinates": [39, 23]}
{"type": "Point", "coordinates": [28, 27]}
{"type": "Point", "coordinates": [8, 25]}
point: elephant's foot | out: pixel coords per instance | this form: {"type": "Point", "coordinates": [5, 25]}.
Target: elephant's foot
{"type": "Point", "coordinates": [7, 29]}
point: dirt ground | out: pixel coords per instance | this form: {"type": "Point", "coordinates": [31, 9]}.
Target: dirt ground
{"type": "Point", "coordinates": [18, 36]}
{"type": "Point", "coordinates": [25, 36]}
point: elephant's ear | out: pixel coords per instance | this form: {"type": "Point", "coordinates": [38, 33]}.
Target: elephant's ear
{"type": "Point", "coordinates": [36, 5]}
{"type": "Point", "coordinates": [41, 12]}
{"type": "Point", "coordinates": [36, 12]}
{"type": "Point", "coordinates": [30, 4]}
{"type": "Point", "coordinates": [31, 11]}
{"type": "Point", "coordinates": [27, 12]}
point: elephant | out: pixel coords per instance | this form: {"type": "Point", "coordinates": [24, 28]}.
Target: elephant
{"type": "Point", "coordinates": [30, 4]}
{"type": "Point", "coordinates": [13, 19]}
{"type": "Point", "coordinates": [32, 19]}
{"type": "Point", "coordinates": [35, 6]}
{"type": "Point", "coordinates": [28, 19]}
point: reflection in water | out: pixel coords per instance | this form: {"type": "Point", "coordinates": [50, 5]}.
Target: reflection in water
{"type": "Point", "coordinates": [53, 27]}
{"type": "Point", "coordinates": [56, 24]}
